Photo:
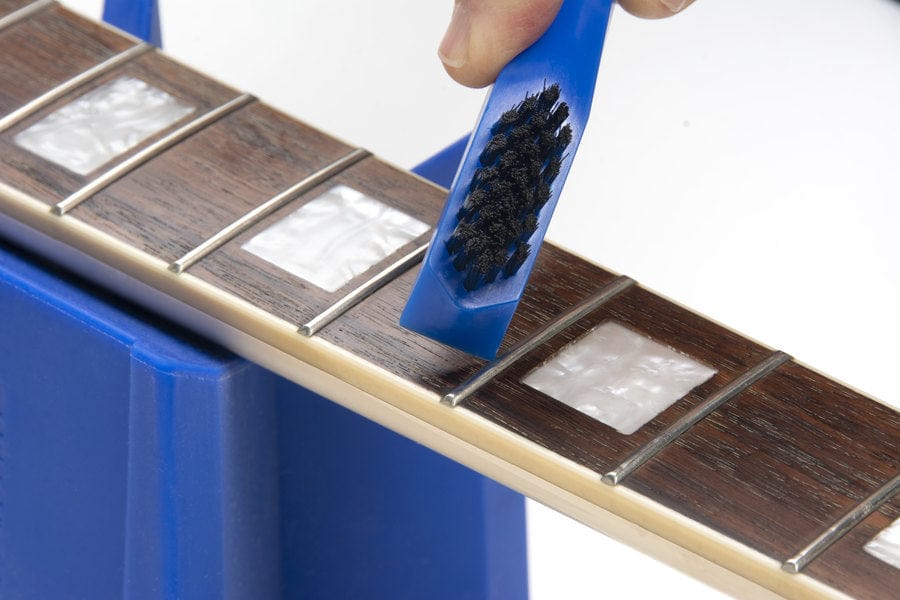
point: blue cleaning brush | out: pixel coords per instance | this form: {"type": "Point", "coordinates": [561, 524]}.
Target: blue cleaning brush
{"type": "Point", "coordinates": [508, 184]}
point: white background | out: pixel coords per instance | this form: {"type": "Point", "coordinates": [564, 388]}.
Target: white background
{"type": "Point", "coordinates": [743, 158]}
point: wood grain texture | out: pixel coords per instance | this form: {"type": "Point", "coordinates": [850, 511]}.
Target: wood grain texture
{"type": "Point", "coordinates": [48, 48]}
{"type": "Point", "coordinates": [771, 468]}
{"type": "Point", "coordinates": [8, 6]}
{"type": "Point", "coordinates": [177, 200]}
{"type": "Point", "coordinates": [780, 463]}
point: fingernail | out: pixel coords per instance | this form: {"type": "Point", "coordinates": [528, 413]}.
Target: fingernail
{"type": "Point", "coordinates": [454, 48]}
{"type": "Point", "coordinates": [675, 5]}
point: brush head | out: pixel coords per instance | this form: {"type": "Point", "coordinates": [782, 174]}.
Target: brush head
{"type": "Point", "coordinates": [516, 170]}
{"type": "Point", "coordinates": [508, 183]}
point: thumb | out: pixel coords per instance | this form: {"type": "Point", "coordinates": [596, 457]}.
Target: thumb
{"type": "Point", "coordinates": [484, 35]}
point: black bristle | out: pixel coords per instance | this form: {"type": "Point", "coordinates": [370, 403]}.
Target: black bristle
{"type": "Point", "coordinates": [529, 225]}
{"type": "Point", "coordinates": [471, 281]}
{"type": "Point", "coordinates": [559, 116]}
{"type": "Point", "coordinates": [516, 169]}
{"type": "Point", "coordinates": [520, 135]}
{"type": "Point", "coordinates": [552, 169]}
{"type": "Point", "coordinates": [548, 97]}
{"type": "Point", "coordinates": [542, 195]}
{"type": "Point", "coordinates": [506, 120]}
{"type": "Point", "coordinates": [539, 122]}
{"type": "Point", "coordinates": [493, 149]}
{"type": "Point", "coordinates": [508, 162]}
{"type": "Point", "coordinates": [527, 107]}
{"type": "Point", "coordinates": [516, 259]}
{"type": "Point", "coordinates": [565, 137]}
{"type": "Point", "coordinates": [473, 204]}
{"type": "Point", "coordinates": [546, 143]}
{"type": "Point", "coordinates": [483, 177]}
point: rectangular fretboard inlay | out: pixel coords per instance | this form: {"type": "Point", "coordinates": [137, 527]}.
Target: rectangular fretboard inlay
{"type": "Point", "coordinates": [102, 124]}
{"type": "Point", "coordinates": [332, 239]}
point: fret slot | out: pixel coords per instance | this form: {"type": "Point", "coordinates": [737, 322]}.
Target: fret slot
{"type": "Point", "coordinates": [314, 325]}
{"type": "Point", "coordinates": [23, 13]}
{"type": "Point", "coordinates": [151, 151]}
{"type": "Point", "coordinates": [70, 85]}
{"type": "Point", "coordinates": [493, 369]}
{"type": "Point", "coordinates": [273, 204]}
{"type": "Point", "coordinates": [799, 561]}
{"type": "Point", "coordinates": [673, 432]}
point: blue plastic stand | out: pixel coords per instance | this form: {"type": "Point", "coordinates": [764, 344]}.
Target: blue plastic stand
{"type": "Point", "coordinates": [441, 167]}
{"type": "Point", "coordinates": [137, 461]}
{"type": "Point", "coordinates": [138, 17]}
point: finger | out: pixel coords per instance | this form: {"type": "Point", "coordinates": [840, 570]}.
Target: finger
{"type": "Point", "coordinates": [484, 35]}
{"type": "Point", "coordinates": [654, 9]}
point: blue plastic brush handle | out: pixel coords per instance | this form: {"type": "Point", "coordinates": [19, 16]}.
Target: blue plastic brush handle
{"type": "Point", "coordinates": [567, 54]}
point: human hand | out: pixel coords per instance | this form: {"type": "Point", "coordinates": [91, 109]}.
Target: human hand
{"type": "Point", "coordinates": [484, 35]}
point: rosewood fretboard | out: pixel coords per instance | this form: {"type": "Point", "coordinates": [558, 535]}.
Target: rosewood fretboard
{"type": "Point", "coordinates": [784, 454]}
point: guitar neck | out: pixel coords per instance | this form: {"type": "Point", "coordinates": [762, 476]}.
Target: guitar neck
{"type": "Point", "coordinates": [735, 480]}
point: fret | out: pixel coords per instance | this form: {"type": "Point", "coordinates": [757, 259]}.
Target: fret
{"type": "Point", "coordinates": [314, 325]}
{"type": "Point", "coordinates": [493, 369]}
{"type": "Point", "coordinates": [870, 576]}
{"type": "Point", "coordinates": [842, 526]}
{"type": "Point", "coordinates": [23, 13]}
{"type": "Point", "coordinates": [273, 204]}
{"type": "Point", "coordinates": [70, 85]}
{"type": "Point", "coordinates": [148, 153]}
{"type": "Point", "coordinates": [698, 413]}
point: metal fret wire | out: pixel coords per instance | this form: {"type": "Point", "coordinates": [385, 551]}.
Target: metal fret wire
{"type": "Point", "coordinates": [736, 386]}
{"type": "Point", "coordinates": [842, 526]}
{"type": "Point", "coordinates": [65, 87]}
{"type": "Point", "coordinates": [334, 311]}
{"type": "Point", "coordinates": [147, 153]}
{"type": "Point", "coordinates": [500, 364]}
{"type": "Point", "coordinates": [23, 13]}
{"type": "Point", "coordinates": [267, 208]}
